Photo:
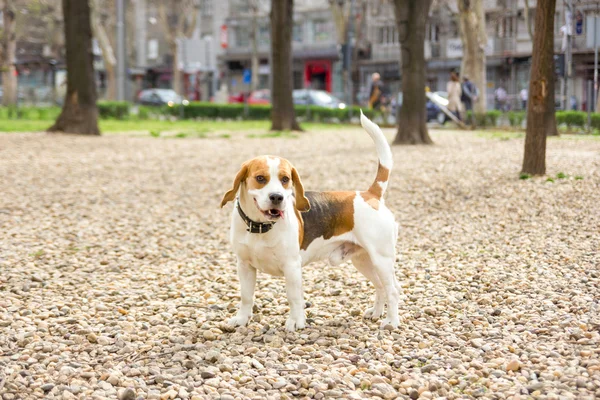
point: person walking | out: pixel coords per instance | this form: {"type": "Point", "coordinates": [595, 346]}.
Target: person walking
{"type": "Point", "coordinates": [501, 96]}
{"type": "Point", "coordinates": [454, 89]}
{"type": "Point", "coordinates": [523, 94]}
{"type": "Point", "coordinates": [376, 92]}
{"type": "Point", "coordinates": [469, 97]}
{"type": "Point", "coordinates": [378, 101]}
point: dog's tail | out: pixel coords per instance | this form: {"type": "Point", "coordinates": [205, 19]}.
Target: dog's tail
{"type": "Point", "coordinates": [383, 152]}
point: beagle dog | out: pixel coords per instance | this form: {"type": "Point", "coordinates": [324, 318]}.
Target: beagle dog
{"type": "Point", "coordinates": [277, 228]}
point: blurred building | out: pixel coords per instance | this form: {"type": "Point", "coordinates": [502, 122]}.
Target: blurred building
{"type": "Point", "coordinates": [508, 49]}
{"type": "Point", "coordinates": [316, 61]}
{"type": "Point", "coordinates": [197, 54]}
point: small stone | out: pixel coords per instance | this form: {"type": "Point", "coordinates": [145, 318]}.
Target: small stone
{"type": "Point", "coordinates": [113, 380]}
{"type": "Point", "coordinates": [47, 387]}
{"type": "Point", "coordinates": [207, 375]}
{"type": "Point", "coordinates": [209, 335]}
{"type": "Point", "coordinates": [429, 368]}
{"type": "Point", "coordinates": [477, 343]}
{"type": "Point", "coordinates": [413, 394]}
{"type": "Point", "coordinates": [513, 365]}
{"type": "Point", "coordinates": [127, 394]}
{"type": "Point", "coordinates": [103, 341]}
{"type": "Point", "coordinates": [212, 356]}
{"type": "Point", "coordinates": [92, 338]}
{"type": "Point", "coordinates": [279, 384]}
{"type": "Point", "coordinates": [66, 395]}
{"type": "Point", "coordinates": [257, 364]}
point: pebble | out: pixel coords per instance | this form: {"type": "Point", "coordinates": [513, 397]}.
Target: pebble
{"type": "Point", "coordinates": [513, 365]}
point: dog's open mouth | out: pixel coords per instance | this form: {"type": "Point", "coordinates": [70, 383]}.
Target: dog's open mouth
{"type": "Point", "coordinates": [273, 213]}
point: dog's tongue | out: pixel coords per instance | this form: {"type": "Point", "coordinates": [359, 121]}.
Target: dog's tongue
{"type": "Point", "coordinates": [274, 212]}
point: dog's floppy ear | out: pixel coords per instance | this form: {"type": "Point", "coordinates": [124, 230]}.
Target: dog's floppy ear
{"type": "Point", "coordinates": [302, 203]}
{"type": "Point", "coordinates": [241, 175]}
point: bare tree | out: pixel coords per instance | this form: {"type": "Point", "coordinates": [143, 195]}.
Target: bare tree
{"type": "Point", "coordinates": [103, 13]}
{"type": "Point", "coordinates": [526, 12]}
{"type": "Point", "coordinates": [9, 49]}
{"type": "Point", "coordinates": [178, 18]}
{"type": "Point", "coordinates": [541, 90]}
{"type": "Point", "coordinates": [283, 116]}
{"type": "Point", "coordinates": [411, 20]}
{"type": "Point", "coordinates": [254, 8]}
{"type": "Point", "coordinates": [79, 113]}
{"type": "Point", "coordinates": [474, 40]}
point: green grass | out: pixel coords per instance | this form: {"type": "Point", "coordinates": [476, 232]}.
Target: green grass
{"type": "Point", "coordinates": [152, 127]}
{"type": "Point", "coordinates": [274, 134]}
{"type": "Point", "coordinates": [500, 135]}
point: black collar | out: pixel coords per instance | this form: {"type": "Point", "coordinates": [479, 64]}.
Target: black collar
{"type": "Point", "coordinates": [254, 227]}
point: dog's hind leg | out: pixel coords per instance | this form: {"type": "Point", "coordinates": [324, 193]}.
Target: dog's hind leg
{"type": "Point", "coordinates": [384, 267]}
{"type": "Point", "coordinates": [363, 264]}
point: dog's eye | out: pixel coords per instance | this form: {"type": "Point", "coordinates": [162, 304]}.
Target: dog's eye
{"type": "Point", "coordinates": [260, 179]}
{"type": "Point", "coordinates": [285, 180]}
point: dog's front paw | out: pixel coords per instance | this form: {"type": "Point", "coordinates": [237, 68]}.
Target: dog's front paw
{"type": "Point", "coordinates": [295, 323]}
{"type": "Point", "coordinates": [239, 320]}
{"type": "Point", "coordinates": [388, 321]}
{"type": "Point", "coordinates": [373, 314]}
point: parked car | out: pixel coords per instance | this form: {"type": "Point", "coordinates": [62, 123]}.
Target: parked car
{"type": "Point", "coordinates": [160, 97]}
{"type": "Point", "coordinates": [434, 113]}
{"type": "Point", "coordinates": [262, 96]}
{"type": "Point", "coordinates": [317, 98]}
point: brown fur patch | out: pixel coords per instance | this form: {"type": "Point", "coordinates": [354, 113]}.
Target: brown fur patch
{"type": "Point", "coordinates": [251, 168]}
{"type": "Point", "coordinates": [331, 214]}
{"type": "Point", "coordinates": [371, 199]}
{"type": "Point", "coordinates": [373, 195]}
{"type": "Point", "coordinates": [300, 225]}
{"type": "Point", "coordinates": [383, 174]}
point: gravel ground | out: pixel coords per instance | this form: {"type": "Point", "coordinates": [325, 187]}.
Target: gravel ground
{"type": "Point", "coordinates": [116, 274]}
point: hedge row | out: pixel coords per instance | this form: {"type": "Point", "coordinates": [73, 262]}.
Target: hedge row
{"type": "Point", "coordinates": [204, 110]}
{"type": "Point", "coordinates": [106, 109]}
{"type": "Point", "coordinates": [194, 110]}
{"type": "Point", "coordinates": [255, 112]}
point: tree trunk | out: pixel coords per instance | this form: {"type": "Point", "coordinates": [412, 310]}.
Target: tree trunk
{"type": "Point", "coordinates": [541, 90]}
{"type": "Point", "coordinates": [474, 40]}
{"type": "Point", "coordinates": [177, 84]}
{"type": "Point", "coordinates": [254, 41]}
{"type": "Point", "coordinates": [283, 116]}
{"type": "Point", "coordinates": [79, 113]}
{"type": "Point", "coordinates": [9, 49]}
{"type": "Point", "coordinates": [411, 20]}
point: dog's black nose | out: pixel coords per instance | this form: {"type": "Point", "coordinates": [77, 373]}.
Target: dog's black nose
{"type": "Point", "coordinates": [276, 198]}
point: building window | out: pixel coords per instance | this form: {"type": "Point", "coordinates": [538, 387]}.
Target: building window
{"type": "Point", "coordinates": [322, 30]}
{"type": "Point", "coordinates": [263, 35]}
{"type": "Point", "coordinates": [207, 8]}
{"type": "Point", "coordinates": [298, 33]}
{"type": "Point", "coordinates": [433, 32]}
{"type": "Point", "coordinates": [387, 35]}
{"type": "Point", "coordinates": [242, 36]}
{"type": "Point", "coordinates": [506, 27]}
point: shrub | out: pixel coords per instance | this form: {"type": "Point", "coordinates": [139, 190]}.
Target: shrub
{"type": "Point", "coordinates": [573, 119]}
{"type": "Point", "coordinates": [113, 109]}
{"type": "Point", "coordinates": [516, 118]}
{"type": "Point", "coordinates": [492, 117]}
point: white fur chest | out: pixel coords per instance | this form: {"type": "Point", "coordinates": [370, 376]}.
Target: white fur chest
{"type": "Point", "coordinates": [267, 252]}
